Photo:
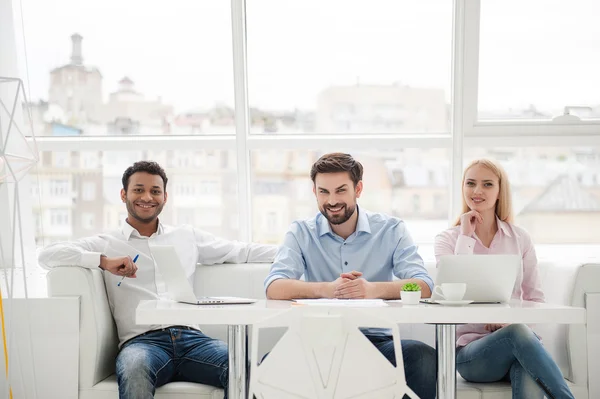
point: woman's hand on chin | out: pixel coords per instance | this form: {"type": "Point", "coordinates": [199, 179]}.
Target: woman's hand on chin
{"type": "Point", "coordinates": [468, 221]}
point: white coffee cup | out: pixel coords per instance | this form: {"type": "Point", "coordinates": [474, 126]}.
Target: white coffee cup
{"type": "Point", "coordinates": [451, 291]}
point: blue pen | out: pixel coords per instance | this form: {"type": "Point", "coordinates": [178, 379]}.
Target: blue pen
{"type": "Point", "coordinates": [134, 260]}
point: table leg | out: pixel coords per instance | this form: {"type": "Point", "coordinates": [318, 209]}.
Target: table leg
{"type": "Point", "coordinates": [445, 341]}
{"type": "Point", "coordinates": [237, 337]}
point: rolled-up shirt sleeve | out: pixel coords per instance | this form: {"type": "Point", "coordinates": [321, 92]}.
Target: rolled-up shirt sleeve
{"type": "Point", "coordinates": [289, 262]}
{"type": "Point", "coordinates": [84, 252]}
{"type": "Point", "coordinates": [407, 261]}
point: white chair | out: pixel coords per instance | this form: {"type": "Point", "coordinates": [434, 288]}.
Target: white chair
{"type": "Point", "coordinates": [324, 355]}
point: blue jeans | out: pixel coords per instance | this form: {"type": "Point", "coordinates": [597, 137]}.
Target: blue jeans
{"type": "Point", "coordinates": [513, 353]}
{"type": "Point", "coordinates": [176, 353]}
{"type": "Point", "coordinates": [420, 363]}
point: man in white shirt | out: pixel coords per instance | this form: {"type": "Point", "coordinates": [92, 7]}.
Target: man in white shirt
{"type": "Point", "coordinates": [151, 356]}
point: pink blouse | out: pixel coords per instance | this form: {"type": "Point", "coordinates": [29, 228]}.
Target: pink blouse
{"type": "Point", "coordinates": [509, 239]}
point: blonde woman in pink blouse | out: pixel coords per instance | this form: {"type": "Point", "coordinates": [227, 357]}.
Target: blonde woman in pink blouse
{"type": "Point", "coordinates": [500, 352]}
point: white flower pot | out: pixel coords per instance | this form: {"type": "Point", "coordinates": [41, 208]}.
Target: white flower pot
{"type": "Point", "coordinates": [410, 297]}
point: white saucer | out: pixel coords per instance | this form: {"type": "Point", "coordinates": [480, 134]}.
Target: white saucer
{"type": "Point", "coordinates": [454, 303]}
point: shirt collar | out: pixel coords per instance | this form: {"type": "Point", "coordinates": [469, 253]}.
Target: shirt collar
{"type": "Point", "coordinates": [128, 230]}
{"type": "Point", "coordinates": [323, 225]}
{"type": "Point", "coordinates": [361, 225]}
{"type": "Point", "coordinates": [363, 222]}
{"type": "Point", "coordinates": [504, 227]}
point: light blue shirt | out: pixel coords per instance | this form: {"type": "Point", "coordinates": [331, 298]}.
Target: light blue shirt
{"type": "Point", "coordinates": [380, 248]}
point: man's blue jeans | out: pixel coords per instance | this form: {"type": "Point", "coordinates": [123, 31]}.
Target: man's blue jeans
{"type": "Point", "coordinates": [176, 353]}
{"type": "Point", "coordinates": [513, 353]}
{"type": "Point", "coordinates": [419, 363]}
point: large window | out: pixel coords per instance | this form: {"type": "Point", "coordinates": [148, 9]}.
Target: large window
{"type": "Point", "coordinates": [128, 67]}
{"type": "Point", "coordinates": [349, 67]}
{"type": "Point", "coordinates": [538, 57]}
{"type": "Point", "coordinates": [237, 99]}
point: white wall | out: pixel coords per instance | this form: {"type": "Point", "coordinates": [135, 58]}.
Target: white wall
{"type": "Point", "coordinates": [43, 346]}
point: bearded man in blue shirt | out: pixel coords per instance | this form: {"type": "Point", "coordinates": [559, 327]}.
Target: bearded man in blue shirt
{"type": "Point", "coordinates": [348, 252]}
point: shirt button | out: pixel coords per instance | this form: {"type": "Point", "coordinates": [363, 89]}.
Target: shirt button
{"type": "Point", "coordinates": [346, 263]}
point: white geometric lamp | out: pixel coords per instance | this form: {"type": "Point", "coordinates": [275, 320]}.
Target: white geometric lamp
{"type": "Point", "coordinates": [17, 155]}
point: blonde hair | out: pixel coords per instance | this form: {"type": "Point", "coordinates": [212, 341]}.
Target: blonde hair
{"type": "Point", "coordinates": [504, 204]}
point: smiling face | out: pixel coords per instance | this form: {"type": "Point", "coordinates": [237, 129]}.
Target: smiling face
{"type": "Point", "coordinates": [336, 196]}
{"type": "Point", "coordinates": [481, 189]}
{"type": "Point", "coordinates": [145, 197]}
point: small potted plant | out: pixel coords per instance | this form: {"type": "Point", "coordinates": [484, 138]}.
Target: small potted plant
{"type": "Point", "coordinates": [410, 294]}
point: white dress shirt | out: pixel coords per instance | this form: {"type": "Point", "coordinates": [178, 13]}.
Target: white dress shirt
{"type": "Point", "coordinates": [193, 246]}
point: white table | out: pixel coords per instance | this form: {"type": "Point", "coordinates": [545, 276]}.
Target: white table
{"type": "Point", "coordinates": [239, 317]}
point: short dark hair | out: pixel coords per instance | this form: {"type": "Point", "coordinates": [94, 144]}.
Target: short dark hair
{"type": "Point", "coordinates": [150, 167]}
{"type": "Point", "coordinates": [338, 162]}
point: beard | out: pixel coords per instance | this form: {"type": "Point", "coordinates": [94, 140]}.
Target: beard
{"type": "Point", "coordinates": [132, 212]}
{"type": "Point", "coordinates": [339, 218]}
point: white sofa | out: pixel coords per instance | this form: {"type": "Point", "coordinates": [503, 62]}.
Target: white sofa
{"type": "Point", "coordinates": [576, 348]}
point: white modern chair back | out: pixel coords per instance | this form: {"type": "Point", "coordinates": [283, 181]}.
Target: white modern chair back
{"type": "Point", "coordinates": [324, 355]}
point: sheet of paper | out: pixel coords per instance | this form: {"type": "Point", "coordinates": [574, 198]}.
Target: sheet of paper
{"type": "Point", "coordinates": [353, 303]}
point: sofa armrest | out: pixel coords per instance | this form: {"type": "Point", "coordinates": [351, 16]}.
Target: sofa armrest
{"type": "Point", "coordinates": [592, 304]}
{"type": "Point", "coordinates": [581, 352]}
{"type": "Point", "coordinates": [98, 340]}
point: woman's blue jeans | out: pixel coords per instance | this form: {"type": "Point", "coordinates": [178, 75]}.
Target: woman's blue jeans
{"type": "Point", "coordinates": [513, 353]}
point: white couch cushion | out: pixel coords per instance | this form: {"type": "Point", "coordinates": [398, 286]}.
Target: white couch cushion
{"type": "Point", "coordinates": [107, 389]}
{"type": "Point", "coordinates": [501, 390]}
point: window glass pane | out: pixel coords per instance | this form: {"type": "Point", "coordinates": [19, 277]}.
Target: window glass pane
{"type": "Point", "coordinates": [555, 191]}
{"type": "Point", "coordinates": [411, 184]}
{"type": "Point", "coordinates": [84, 201]}
{"type": "Point", "coordinates": [538, 56]}
{"type": "Point", "coordinates": [128, 67]}
{"type": "Point", "coordinates": [88, 191]}
{"type": "Point", "coordinates": [349, 67]}
{"type": "Point", "coordinates": [88, 221]}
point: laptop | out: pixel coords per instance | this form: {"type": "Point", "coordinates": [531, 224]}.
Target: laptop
{"type": "Point", "coordinates": [178, 285]}
{"type": "Point", "coordinates": [489, 278]}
